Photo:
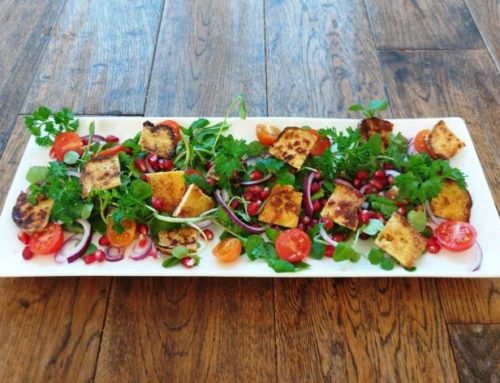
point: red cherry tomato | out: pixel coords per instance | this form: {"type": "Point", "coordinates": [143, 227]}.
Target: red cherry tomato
{"type": "Point", "coordinates": [176, 128]}
{"type": "Point", "coordinates": [293, 245]}
{"type": "Point", "coordinates": [420, 142]}
{"type": "Point", "coordinates": [267, 134]}
{"type": "Point", "coordinates": [322, 143]}
{"type": "Point", "coordinates": [47, 241]}
{"type": "Point", "coordinates": [456, 236]}
{"type": "Point", "coordinates": [65, 142]}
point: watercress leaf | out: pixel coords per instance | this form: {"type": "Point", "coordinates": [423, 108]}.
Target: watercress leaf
{"type": "Point", "coordinates": [284, 177]}
{"type": "Point", "coordinates": [255, 148]}
{"type": "Point", "coordinates": [36, 174]}
{"type": "Point", "coordinates": [255, 247]}
{"type": "Point", "coordinates": [344, 251]}
{"type": "Point", "coordinates": [170, 262]}
{"type": "Point", "coordinates": [356, 107]}
{"type": "Point", "coordinates": [198, 181]}
{"type": "Point", "coordinates": [387, 264]}
{"type": "Point", "coordinates": [180, 252]}
{"type": "Point", "coordinates": [71, 157]}
{"type": "Point", "coordinates": [269, 165]}
{"type": "Point", "coordinates": [418, 220]}
{"type": "Point", "coordinates": [376, 256]}
{"type": "Point", "coordinates": [379, 105]}
{"type": "Point", "coordinates": [199, 123]}
{"type": "Point", "coordinates": [141, 190]}
{"type": "Point", "coordinates": [242, 109]}
{"type": "Point", "coordinates": [86, 210]}
{"type": "Point", "coordinates": [317, 250]}
{"type": "Point", "coordinates": [280, 265]}
{"type": "Point", "coordinates": [271, 234]}
{"type": "Point", "coordinates": [373, 227]}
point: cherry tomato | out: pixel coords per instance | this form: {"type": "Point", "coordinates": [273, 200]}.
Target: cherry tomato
{"type": "Point", "coordinates": [47, 241]}
{"type": "Point", "coordinates": [121, 239]}
{"type": "Point", "coordinates": [456, 236]}
{"type": "Point", "coordinates": [267, 134]}
{"type": "Point", "coordinates": [322, 143]}
{"type": "Point", "coordinates": [420, 142]}
{"type": "Point", "coordinates": [227, 250]}
{"type": "Point", "coordinates": [65, 142]}
{"type": "Point", "coordinates": [293, 245]}
{"type": "Point", "coordinates": [111, 151]}
{"type": "Point", "coordinates": [176, 128]}
{"type": "Point", "coordinates": [24, 237]}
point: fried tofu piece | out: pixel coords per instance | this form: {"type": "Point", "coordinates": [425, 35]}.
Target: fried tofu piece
{"type": "Point", "coordinates": [343, 205]}
{"type": "Point", "coordinates": [399, 239]}
{"type": "Point", "coordinates": [282, 208]}
{"type": "Point", "coordinates": [101, 173]}
{"type": "Point", "coordinates": [443, 142]}
{"type": "Point", "coordinates": [170, 239]}
{"type": "Point", "coordinates": [452, 202]}
{"type": "Point", "coordinates": [170, 187]}
{"type": "Point", "coordinates": [194, 203]}
{"type": "Point", "coordinates": [30, 217]}
{"type": "Point", "coordinates": [293, 145]}
{"type": "Point", "coordinates": [369, 126]}
{"type": "Point", "coordinates": [158, 139]}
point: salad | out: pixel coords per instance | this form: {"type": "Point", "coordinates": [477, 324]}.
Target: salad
{"type": "Point", "coordinates": [291, 194]}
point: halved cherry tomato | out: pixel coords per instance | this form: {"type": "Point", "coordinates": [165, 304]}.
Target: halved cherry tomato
{"type": "Point", "coordinates": [65, 142]}
{"type": "Point", "coordinates": [111, 151]}
{"type": "Point", "coordinates": [293, 245]}
{"type": "Point", "coordinates": [267, 134]}
{"type": "Point", "coordinates": [456, 236]}
{"type": "Point", "coordinates": [227, 250]}
{"type": "Point", "coordinates": [193, 171]}
{"type": "Point", "coordinates": [122, 239]}
{"type": "Point", "coordinates": [176, 128]}
{"type": "Point", "coordinates": [420, 142]}
{"type": "Point", "coordinates": [322, 143]}
{"type": "Point", "coordinates": [47, 241]}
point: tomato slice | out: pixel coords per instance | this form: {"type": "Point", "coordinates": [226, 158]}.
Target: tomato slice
{"type": "Point", "coordinates": [121, 239]}
{"type": "Point", "coordinates": [47, 241]}
{"type": "Point", "coordinates": [293, 245]}
{"type": "Point", "coordinates": [322, 144]}
{"type": "Point", "coordinates": [456, 236]}
{"type": "Point", "coordinates": [65, 142]}
{"type": "Point", "coordinates": [176, 128]}
{"type": "Point", "coordinates": [111, 151]}
{"type": "Point", "coordinates": [267, 134]}
{"type": "Point", "coordinates": [420, 142]}
{"type": "Point", "coordinates": [228, 250]}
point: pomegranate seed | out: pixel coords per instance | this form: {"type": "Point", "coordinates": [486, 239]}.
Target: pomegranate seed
{"type": "Point", "coordinates": [318, 176]}
{"type": "Point", "coordinates": [211, 181]}
{"type": "Point", "coordinates": [165, 164]}
{"type": "Point", "coordinates": [293, 170]}
{"type": "Point", "coordinates": [258, 202]}
{"type": "Point", "coordinates": [315, 187]}
{"type": "Point", "coordinates": [433, 245]}
{"type": "Point", "coordinates": [99, 255]}
{"type": "Point", "coordinates": [188, 262]}
{"type": "Point", "coordinates": [301, 226]}
{"type": "Point", "coordinates": [402, 211]}
{"type": "Point", "coordinates": [356, 182]}
{"type": "Point", "coordinates": [143, 229]}
{"type": "Point", "coordinates": [27, 253]}
{"type": "Point", "coordinates": [128, 151]}
{"type": "Point", "coordinates": [322, 201]}
{"type": "Point", "coordinates": [209, 234]}
{"type": "Point", "coordinates": [157, 203]}
{"type": "Point", "coordinates": [378, 184]}
{"type": "Point", "coordinates": [380, 174]}
{"type": "Point", "coordinates": [379, 216]}
{"type": "Point", "coordinates": [256, 175]}
{"type": "Point", "coordinates": [111, 138]}
{"type": "Point", "coordinates": [316, 206]}
{"type": "Point", "coordinates": [364, 216]}
{"type": "Point", "coordinates": [85, 141]}
{"type": "Point", "coordinates": [254, 189]}
{"type": "Point", "coordinates": [328, 223]}
{"type": "Point", "coordinates": [265, 193]}
{"type": "Point", "coordinates": [362, 174]}
{"type": "Point", "coordinates": [253, 208]}
{"type": "Point", "coordinates": [314, 222]}
{"type": "Point", "coordinates": [144, 177]}
{"type": "Point", "coordinates": [338, 237]}
{"type": "Point", "coordinates": [89, 259]}
{"type": "Point", "coordinates": [143, 241]}
{"type": "Point", "coordinates": [391, 180]}
{"type": "Point", "coordinates": [24, 237]}
{"type": "Point", "coordinates": [104, 241]}
{"type": "Point", "coordinates": [329, 251]}
{"type": "Point", "coordinates": [152, 159]}
{"type": "Point", "coordinates": [370, 190]}
{"type": "Point", "coordinates": [388, 166]}
{"type": "Point", "coordinates": [141, 164]}
{"type": "Point", "coordinates": [234, 204]}
{"type": "Point", "coordinates": [249, 196]}
{"type": "Point", "coordinates": [153, 253]}
{"type": "Point", "coordinates": [364, 236]}
{"type": "Point", "coordinates": [305, 220]}
{"type": "Point", "coordinates": [209, 165]}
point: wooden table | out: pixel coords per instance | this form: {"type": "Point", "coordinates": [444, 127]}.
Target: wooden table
{"type": "Point", "coordinates": [305, 58]}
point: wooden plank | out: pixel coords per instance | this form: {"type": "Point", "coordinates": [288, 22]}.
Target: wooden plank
{"type": "Point", "coordinates": [99, 57]}
{"type": "Point", "coordinates": [423, 24]}
{"type": "Point", "coordinates": [477, 351]}
{"type": "Point", "coordinates": [53, 326]}
{"type": "Point", "coordinates": [486, 14]}
{"type": "Point", "coordinates": [208, 52]}
{"type": "Point", "coordinates": [454, 83]}
{"type": "Point", "coordinates": [24, 34]}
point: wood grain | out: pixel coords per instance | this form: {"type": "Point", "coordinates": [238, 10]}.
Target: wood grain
{"type": "Point", "coordinates": [208, 52]}
{"type": "Point", "coordinates": [486, 14]}
{"type": "Point", "coordinates": [477, 351]}
{"type": "Point", "coordinates": [21, 46]}
{"type": "Point", "coordinates": [423, 24]}
{"type": "Point", "coordinates": [99, 58]}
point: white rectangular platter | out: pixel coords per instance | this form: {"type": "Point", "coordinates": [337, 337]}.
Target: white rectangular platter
{"type": "Point", "coordinates": [484, 217]}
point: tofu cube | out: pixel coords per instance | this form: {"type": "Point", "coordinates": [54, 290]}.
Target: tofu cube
{"type": "Point", "coordinates": [443, 142]}
{"type": "Point", "coordinates": [282, 207]}
{"type": "Point", "coordinates": [293, 145]}
{"type": "Point", "coordinates": [343, 205]}
{"type": "Point", "coordinates": [194, 203]}
{"type": "Point", "coordinates": [452, 202]}
{"type": "Point", "coordinates": [158, 139]}
{"type": "Point", "coordinates": [170, 187]}
{"type": "Point", "coordinates": [369, 126]}
{"type": "Point", "coordinates": [30, 217]}
{"type": "Point", "coordinates": [101, 173]}
{"type": "Point", "coordinates": [170, 239]}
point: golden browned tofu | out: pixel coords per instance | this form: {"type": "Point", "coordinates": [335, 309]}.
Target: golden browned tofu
{"type": "Point", "coordinates": [443, 142]}
{"type": "Point", "coordinates": [31, 217]}
{"type": "Point", "coordinates": [452, 202]}
{"type": "Point", "coordinates": [158, 139]}
{"type": "Point", "coordinates": [101, 173]}
{"type": "Point", "coordinates": [193, 203]}
{"type": "Point", "coordinates": [369, 126]}
{"type": "Point", "coordinates": [170, 239]}
{"type": "Point", "coordinates": [293, 146]}
{"type": "Point", "coordinates": [170, 187]}
{"type": "Point", "coordinates": [343, 205]}
{"type": "Point", "coordinates": [282, 208]}
{"type": "Point", "coordinates": [399, 239]}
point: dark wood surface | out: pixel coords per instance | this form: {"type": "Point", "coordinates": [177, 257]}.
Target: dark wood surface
{"type": "Point", "coordinates": [308, 58]}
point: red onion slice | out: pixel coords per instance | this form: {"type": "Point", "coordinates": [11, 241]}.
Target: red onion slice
{"type": "Point", "coordinates": [72, 250]}
{"type": "Point", "coordinates": [340, 181]}
{"type": "Point", "coordinates": [136, 252]}
{"type": "Point", "coordinates": [435, 220]}
{"type": "Point", "coordinates": [114, 254]}
{"type": "Point", "coordinates": [326, 237]}
{"type": "Point", "coordinates": [308, 203]}
{"type": "Point", "coordinates": [233, 217]}
{"type": "Point", "coordinates": [364, 188]}
{"type": "Point", "coordinates": [70, 244]}
{"type": "Point", "coordinates": [391, 172]}
{"type": "Point", "coordinates": [479, 257]}
{"type": "Point", "coordinates": [204, 224]}
{"type": "Point", "coordinates": [256, 182]}
{"type": "Point", "coordinates": [95, 138]}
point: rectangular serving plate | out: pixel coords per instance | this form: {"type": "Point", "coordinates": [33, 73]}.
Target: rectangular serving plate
{"type": "Point", "coordinates": [484, 217]}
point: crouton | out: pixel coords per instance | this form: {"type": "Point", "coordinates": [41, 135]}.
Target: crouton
{"type": "Point", "coordinates": [293, 146]}
{"type": "Point", "coordinates": [452, 202]}
{"type": "Point", "coordinates": [193, 203]}
{"type": "Point", "coordinates": [369, 126]}
{"type": "Point", "coordinates": [101, 173]}
{"type": "Point", "coordinates": [170, 239]}
{"type": "Point", "coordinates": [30, 217]}
{"type": "Point", "coordinates": [399, 239]}
{"type": "Point", "coordinates": [158, 139]}
{"type": "Point", "coordinates": [170, 187]}
{"type": "Point", "coordinates": [343, 205]}
{"type": "Point", "coordinates": [282, 207]}
{"type": "Point", "coordinates": [442, 142]}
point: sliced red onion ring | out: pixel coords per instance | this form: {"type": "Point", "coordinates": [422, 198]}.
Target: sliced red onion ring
{"type": "Point", "coordinates": [479, 257]}
{"type": "Point", "coordinates": [364, 188]}
{"type": "Point", "coordinates": [256, 182]}
{"type": "Point", "coordinates": [136, 252]}
{"type": "Point", "coordinates": [391, 172]}
{"type": "Point", "coordinates": [75, 246]}
{"type": "Point", "coordinates": [233, 217]}
{"type": "Point", "coordinates": [435, 220]}
{"type": "Point", "coordinates": [114, 254]}
{"type": "Point", "coordinates": [326, 237]}
{"type": "Point", "coordinates": [308, 203]}
{"type": "Point", "coordinates": [95, 138]}
{"type": "Point", "coordinates": [340, 181]}
{"type": "Point", "coordinates": [204, 224]}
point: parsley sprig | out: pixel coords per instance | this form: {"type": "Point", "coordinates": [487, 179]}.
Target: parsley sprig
{"type": "Point", "coordinates": [45, 124]}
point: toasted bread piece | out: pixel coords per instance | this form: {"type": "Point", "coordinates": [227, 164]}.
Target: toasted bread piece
{"type": "Point", "coordinates": [170, 187]}
{"type": "Point", "coordinates": [452, 202]}
{"type": "Point", "coordinates": [399, 239]}
{"type": "Point", "coordinates": [343, 205]}
{"type": "Point", "coordinates": [193, 203]}
{"type": "Point", "coordinates": [31, 217]}
{"type": "Point", "coordinates": [369, 126]}
{"type": "Point", "coordinates": [282, 208]}
{"type": "Point", "coordinates": [101, 173]}
{"type": "Point", "coordinates": [170, 239]}
{"type": "Point", "coordinates": [443, 142]}
{"type": "Point", "coordinates": [158, 139]}
{"type": "Point", "coordinates": [293, 146]}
